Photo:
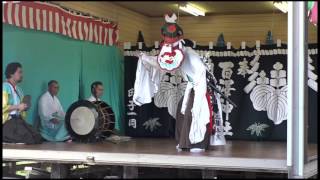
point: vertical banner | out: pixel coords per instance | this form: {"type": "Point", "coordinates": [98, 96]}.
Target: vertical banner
{"type": "Point", "coordinates": [146, 120]}
{"type": "Point", "coordinates": [254, 78]}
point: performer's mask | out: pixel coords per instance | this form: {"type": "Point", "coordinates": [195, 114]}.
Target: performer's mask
{"type": "Point", "coordinates": [170, 58]}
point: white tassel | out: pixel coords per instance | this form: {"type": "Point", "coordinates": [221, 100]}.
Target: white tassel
{"type": "Point", "coordinates": [278, 43]}
{"type": "Point", "coordinates": [257, 44]}
{"type": "Point", "coordinates": [210, 45]}
{"type": "Point", "coordinates": [228, 45]}
{"type": "Point", "coordinates": [156, 44]}
{"type": "Point", "coordinates": [243, 45]}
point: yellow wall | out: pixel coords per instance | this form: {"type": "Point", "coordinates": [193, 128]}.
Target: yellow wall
{"type": "Point", "coordinates": [129, 22]}
{"type": "Point", "coordinates": [236, 28]}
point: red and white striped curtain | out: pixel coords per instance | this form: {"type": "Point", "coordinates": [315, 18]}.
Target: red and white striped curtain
{"type": "Point", "coordinates": [51, 18]}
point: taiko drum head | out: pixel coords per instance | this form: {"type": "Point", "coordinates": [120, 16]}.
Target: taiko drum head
{"type": "Point", "coordinates": [89, 121]}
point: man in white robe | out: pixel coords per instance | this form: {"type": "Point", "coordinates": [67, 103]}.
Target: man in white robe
{"type": "Point", "coordinates": [96, 91]}
{"type": "Point", "coordinates": [52, 116]}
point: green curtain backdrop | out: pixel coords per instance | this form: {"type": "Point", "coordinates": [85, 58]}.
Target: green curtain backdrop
{"type": "Point", "coordinates": [74, 64]}
{"type": "Point", "coordinates": [106, 65]}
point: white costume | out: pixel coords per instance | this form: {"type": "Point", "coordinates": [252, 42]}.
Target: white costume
{"type": "Point", "coordinates": [50, 108]}
{"type": "Point", "coordinates": [148, 77]}
{"type": "Point", "coordinates": [92, 99]}
{"type": "Point", "coordinates": [147, 82]}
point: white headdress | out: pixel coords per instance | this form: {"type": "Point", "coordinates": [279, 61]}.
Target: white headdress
{"type": "Point", "coordinates": [171, 19]}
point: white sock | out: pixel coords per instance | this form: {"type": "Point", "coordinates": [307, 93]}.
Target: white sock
{"type": "Point", "coordinates": [196, 150]}
{"type": "Point", "coordinates": [177, 147]}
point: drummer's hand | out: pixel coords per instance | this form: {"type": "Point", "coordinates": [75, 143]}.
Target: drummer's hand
{"type": "Point", "coordinates": [22, 107]}
{"type": "Point", "coordinates": [54, 121]}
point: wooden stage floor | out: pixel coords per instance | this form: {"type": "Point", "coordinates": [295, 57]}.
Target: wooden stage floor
{"type": "Point", "coordinates": [153, 152]}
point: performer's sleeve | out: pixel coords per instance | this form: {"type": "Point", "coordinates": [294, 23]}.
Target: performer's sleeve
{"type": "Point", "coordinates": [61, 111]}
{"type": "Point", "coordinates": [44, 113]}
{"type": "Point", "coordinates": [5, 106]}
{"type": "Point", "coordinates": [147, 81]}
{"type": "Point", "coordinates": [149, 61]}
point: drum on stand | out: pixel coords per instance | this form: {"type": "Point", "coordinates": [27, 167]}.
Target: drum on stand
{"type": "Point", "coordinates": [90, 121]}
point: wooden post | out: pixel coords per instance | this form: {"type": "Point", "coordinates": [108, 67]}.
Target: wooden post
{"type": "Point", "coordinates": [209, 174]}
{"type": "Point", "coordinates": [250, 175]}
{"type": "Point", "coordinates": [12, 167]}
{"type": "Point", "coordinates": [115, 171]}
{"type": "Point", "coordinates": [297, 89]}
{"type": "Point", "coordinates": [130, 172]}
{"type": "Point", "coordinates": [58, 171]}
{"type": "Point", "coordinates": [182, 173]}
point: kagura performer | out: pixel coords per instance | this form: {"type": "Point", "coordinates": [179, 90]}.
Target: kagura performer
{"type": "Point", "coordinates": [199, 109]}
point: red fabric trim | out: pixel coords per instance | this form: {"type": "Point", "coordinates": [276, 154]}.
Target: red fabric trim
{"type": "Point", "coordinates": [114, 36]}
{"type": "Point", "coordinates": [60, 24]}
{"type": "Point", "coordinates": [83, 32]}
{"type": "Point", "coordinates": [20, 16]}
{"type": "Point", "coordinates": [103, 35]}
{"type": "Point", "coordinates": [62, 14]}
{"type": "Point", "coordinates": [107, 40]}
{"type": "Point", "coordinates": [47, 21]}
{"type": "Point", "coordinates": [13, 12]}
{"type": "Point", "coordinates": [213, 118]}
{"type": "Point", "coordinates": [15, 90]}
{"type": "Point", "coordinates": [53, 22]}
{"type": "Point", "coordinates": [4, 15]}
{"type": "Point", "coordinates": [41, 19]}
{"type": "Point", "coordinates": [34, 18]}
{"type": "Point", "coordinates": [27, 17]}
{"type": "Point", "coordinates": [93, 33]}
{"type": "Point", "coordinates": [210, 110]}
{"type": "Point", "coordinates": [77, 30]}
